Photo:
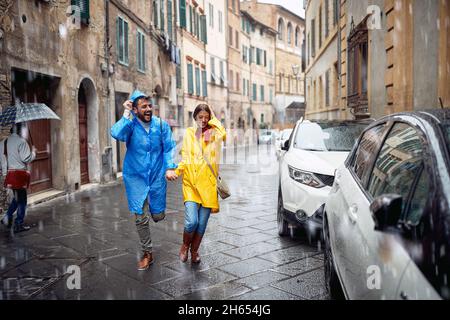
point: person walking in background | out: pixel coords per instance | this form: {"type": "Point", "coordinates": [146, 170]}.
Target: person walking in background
{"type": "Point", "coordinates": [199, 166]}
{"type": "Point", "coordinates": [16, 155]}
{"type": "Point", "coordinates": [148, 163]}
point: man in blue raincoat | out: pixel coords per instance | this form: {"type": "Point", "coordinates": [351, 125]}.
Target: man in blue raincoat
{"type": "Point", "coordinates": [148, 163]}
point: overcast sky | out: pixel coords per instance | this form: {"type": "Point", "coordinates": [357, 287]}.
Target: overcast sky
{"type": "Point", "coordinates": [295, 6]}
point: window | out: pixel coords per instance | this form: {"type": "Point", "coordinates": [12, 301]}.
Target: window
{"type": "Point", "coordinates": [222, 73]}
{"type": "Point", "coordinates": [368, 146]}
{"type": "Point", "coordinates": [262, 117]}
{"type": "Point", "coordinates": [178, 75]}
{"type": "Point", "coordinates": [252, 55]}
{"type": "Point", "coordinates": [140, 51]}
{"type": "Point", "coordinates": [237, 39]}
{"type": "Point", "coordinates": [220, 21]}
{"type": "Point", "coordinates": [182, 6]}
{"type": "Point", "coordinates": [211, 15]}
{"type": "Point", "coordinates": [258, 56]}
{"type": "Point", "coordinates": [190, 77]}
{"type": "Point", "coordinates": [169, 19]}
{"type": "Point", "coordinates": [84, 10]}
{"type": "Point", "coordinates": [197, 81]}
{"type": "Point", "coordinates": [398, 165]}
{"type": "Point", "coordinates": [357, 68]}
{"type": "Point", "coordinates": [204, 84]}
{"type": "Point", "coordinates": [265, 58]}
{"type": "Point", "coordinates": [327, 8]}
{"type": "Point", "coordinates": [335, 12]}
{"type": "Point", "coordinates": [122, 41]}
{"type": "Point", "coordinates": [244, 54]}
{"type": "Point", "coordinates": [190, 25]}
{"type": "Point", "coordinates": [313, 38]}
{"type": "Point", "coordinates": [213, 70]}
{"type": "Point", "coordinates": [320, 27]}
{"type": "Point", "coordinates": [203, 33]}
{"type": "Point", "coordinates": [233, 5]}
{"type": "Point", "coordinates": [254, 92]}
{"type": "Point", "coordinates": [270, 95]}
{"type": "Point", "coordinates": [238, 82]}
{"type": "Point", "coordinates": [161, 6]}
{"type": "Point", "coordinates": [297, 37]}
{"type": "Point", "coordinates": [230, 36]}
{"type": "Point", "coordinates": [289, 33]}
{"type": "Point", "coordinates": [244, 89]}
{"type": "Point", "coordinates": [230, 80]}
{"type": "Point", "coordinates": [327, 88]}
{"type": "Point", "coordinates": [261, 89]}
{"type": "Point", "coordinates": [280, 29]}
{"type": "Point", "coordinates": [248, 87]}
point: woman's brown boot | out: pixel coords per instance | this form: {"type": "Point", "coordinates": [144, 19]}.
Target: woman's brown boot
{"type": "Point", "coordinates": [187, 239]}
{"type": "Point", "coordinates": [196, 240]}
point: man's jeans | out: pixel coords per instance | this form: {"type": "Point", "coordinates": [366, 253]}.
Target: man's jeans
{"type": "Point", "coordinates": [195, 217]}
{"type": "Point", "coordinates": [143, 227]}
{"type": "Point", "coordinates": [19, 203]}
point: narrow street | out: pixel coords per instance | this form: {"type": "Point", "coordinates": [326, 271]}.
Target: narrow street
{"type": "Point", "coordinates": [242, 255]}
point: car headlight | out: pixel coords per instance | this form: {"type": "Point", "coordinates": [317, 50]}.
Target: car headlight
{"type": "Point", "coordinates": [304, 177]}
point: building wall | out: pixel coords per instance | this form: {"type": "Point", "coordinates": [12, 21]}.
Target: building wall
{"type": "Point", "coordinates": [286, 56]}
{"type": "Point", "coordinates": [217, 49]}
{"type": "Point", "coordinates": [38, 40]}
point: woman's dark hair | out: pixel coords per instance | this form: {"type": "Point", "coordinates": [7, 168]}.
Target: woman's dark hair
{"type": "Point", "coordinates": [202, 107]}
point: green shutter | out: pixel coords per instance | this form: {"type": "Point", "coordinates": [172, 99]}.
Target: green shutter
{"type": "Point", "coordinates": [190, 20]}
{"type": "Point", "coordinates": [162, 14]}
{"type": "Point", "coordinates": [197, 81]}
{"type": "Point", "coordinates": [204, 30]}
{"type": "Point", "coordinates": [190, 79]}
{"type": "Point", "coordinates": [183, 13]}
{"type": "Point", "coordinates": [178, 74]}
{"type": "Point", "coordinates": [84, 9]}
{"type": "Point", "coordinates": [118, 51]}
{"type": "Point", "coordinates": [254, 92]}
{"type": "Point", "coordinates": [204, 84]}
{"type": "Point", "coordinates": [169, 18]}
{"type": "Point", "coordinates": [262, 93]}
{"type": "Point", "coordinates": [125, 33]}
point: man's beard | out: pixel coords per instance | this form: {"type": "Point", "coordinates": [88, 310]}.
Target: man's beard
{"type": "Point", "coordinates": [142, 117]}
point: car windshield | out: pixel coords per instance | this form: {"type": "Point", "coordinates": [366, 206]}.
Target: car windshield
{"type": "Point", "coordinates": [337, 137]}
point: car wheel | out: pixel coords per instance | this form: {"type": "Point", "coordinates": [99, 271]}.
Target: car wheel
{"type": "Point", "coordinates": [332, 283]}
{"type": "Point", "coordinates": [283, 225]}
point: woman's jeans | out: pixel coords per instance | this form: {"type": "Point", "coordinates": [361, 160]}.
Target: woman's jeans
{"type": "Point", "coordinates": [19, 203]}
{"type": "Point", "coordinates": [195, 217]}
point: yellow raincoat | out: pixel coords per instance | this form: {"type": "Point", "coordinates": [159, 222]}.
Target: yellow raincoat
{"type": "Point", "coordinates": [199, 183]}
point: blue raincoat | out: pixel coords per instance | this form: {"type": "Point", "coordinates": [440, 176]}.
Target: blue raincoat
{"type": "Point", "coordinates": [148, 157]}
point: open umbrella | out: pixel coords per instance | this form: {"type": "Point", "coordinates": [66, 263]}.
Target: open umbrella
{"type": "Point", "coordinates": [23, 112]}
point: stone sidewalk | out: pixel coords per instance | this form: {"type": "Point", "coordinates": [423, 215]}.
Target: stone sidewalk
{"type": "Point", "coordinates": [242, 255]}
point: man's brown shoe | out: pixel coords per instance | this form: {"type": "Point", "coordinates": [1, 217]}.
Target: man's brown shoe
{"type": "Point", "coordinates": [195, 245]}
{"type": "Point", "coordinates": [146, 261]}
{"type": "Point", "coordinates": [187, 239]}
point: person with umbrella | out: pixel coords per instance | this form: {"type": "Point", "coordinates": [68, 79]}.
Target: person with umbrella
{"type": "Point", "coordinates": [148, 163]}
{"type": "Point", "coordinates": [16, 155]}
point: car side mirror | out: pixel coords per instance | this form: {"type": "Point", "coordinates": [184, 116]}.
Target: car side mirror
{"type": "Point", "coordinates": [285, 146]}
{"type": "Point", "coordinates": [386, 211]}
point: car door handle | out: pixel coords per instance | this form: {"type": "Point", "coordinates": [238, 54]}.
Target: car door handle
{"type": "Point", "coordinates": [352, 213]}
{"type": "Point", "coordinates": [404, 296]}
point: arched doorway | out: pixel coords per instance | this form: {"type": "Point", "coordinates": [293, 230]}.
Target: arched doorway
{"type": "Point", "coordinates": [88, 132]}
{"type": "Point", "coordinates": [83, 135]}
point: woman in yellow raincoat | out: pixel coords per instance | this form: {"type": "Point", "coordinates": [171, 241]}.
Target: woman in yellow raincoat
{"type": "Point", "coordinates": [200, 157]}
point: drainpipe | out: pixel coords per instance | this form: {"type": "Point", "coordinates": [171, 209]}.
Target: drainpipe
{"type": "Point", "coordinates": [107, 152]}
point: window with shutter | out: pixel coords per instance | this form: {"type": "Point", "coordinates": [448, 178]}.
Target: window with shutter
{"type": "Point", "coordinates": [141, 51]}
{"type": "Point", "coordinates": [162, 15]}
{"type": "Point", "coordinates": [182, 5]}
{"type": "Point", "coordinates": [122, 41]}
{"type": "Point", "coordinates": [178, 75]}
{"type": "Point", "coordinates": [204, 30]}
{"type": "Point", "coordinates": [190, 79]}
{"type": "Point", "coordinates": [84, 9]}
{"type": "Point", "coordinates": [169, 19]}
{"type": "Point", "coordinates": [254, 92]}
{"type": "Point", "coordinates": [204, 84]}
{"type": "Point", "coordinates": [197, 81]}
{"type": "Point", "coordinates": [262, 93]}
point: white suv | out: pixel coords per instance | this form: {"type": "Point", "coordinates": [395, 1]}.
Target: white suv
{"type": "Point", "coordinates": [313, 153]}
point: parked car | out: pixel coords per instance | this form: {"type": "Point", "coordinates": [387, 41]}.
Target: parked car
{"type": "Point", "coordinates": [266, 137]}
{"type": "Point", "coordinates": [281, 140]}
{"type": "Point", "coordinates": [388, 214]}
{"type": "Point", "coordinates": [313, 153]}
